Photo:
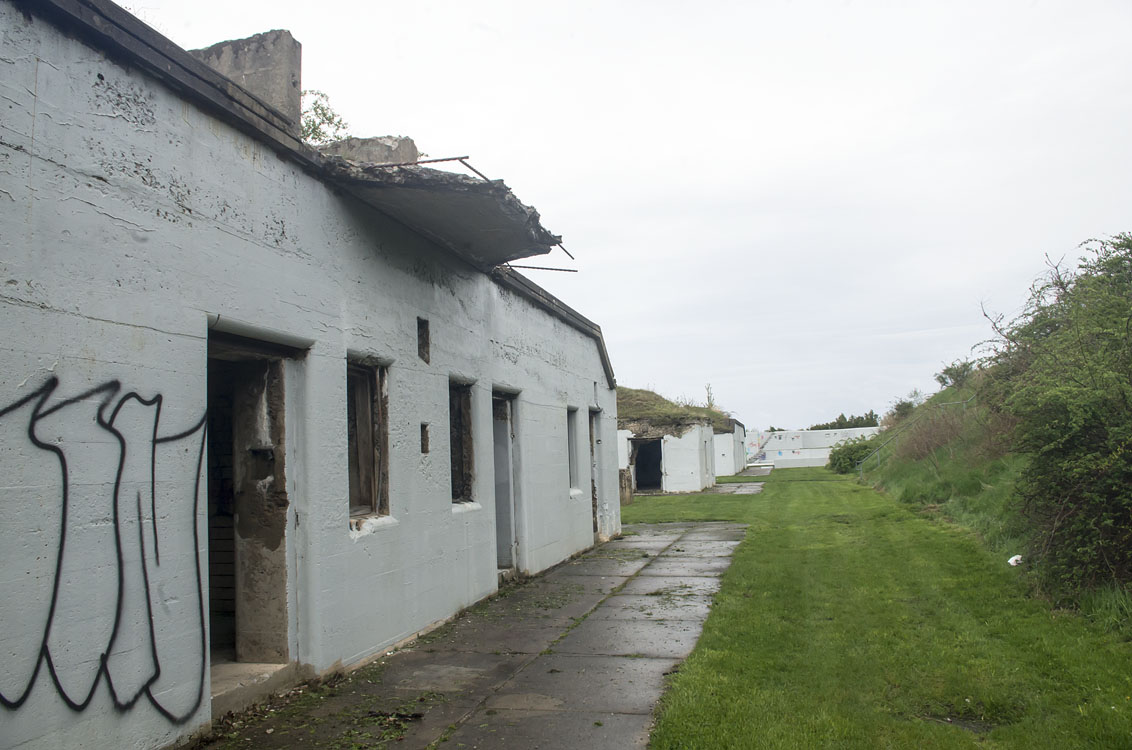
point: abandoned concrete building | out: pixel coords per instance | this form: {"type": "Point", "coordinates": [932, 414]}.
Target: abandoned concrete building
{"type": "Point", "coordinates": [666, 447]}
{"type": "Point", "coordinates": [264, 412]}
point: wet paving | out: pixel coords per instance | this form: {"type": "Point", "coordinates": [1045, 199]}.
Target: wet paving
{"type": "Point", "coordinates": [575, 658]}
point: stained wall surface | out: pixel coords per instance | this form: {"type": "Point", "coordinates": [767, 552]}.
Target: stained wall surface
{"type": "Point", "coordinates": [131, 221]}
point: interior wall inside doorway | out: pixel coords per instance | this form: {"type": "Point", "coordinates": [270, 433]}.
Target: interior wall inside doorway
{"type": "Point", "coordinates": [247, 505]}
{"type": "Point", "coordinates": [650, 474]}
{"type": "Point", "coordinates": [503, 432]}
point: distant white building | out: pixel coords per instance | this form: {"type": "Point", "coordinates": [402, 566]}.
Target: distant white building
{"type": "Point", "coordinates": [796, 448]}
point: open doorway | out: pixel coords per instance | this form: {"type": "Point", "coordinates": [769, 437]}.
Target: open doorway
{"type": "Point", "coordinates": [649, 464]}
{"type": "Point", "coordinates": [247, 501]}
{"type": "Point", "coordinates": [595, 474]}
{"type": "Point", "coordinates": [503, 430]}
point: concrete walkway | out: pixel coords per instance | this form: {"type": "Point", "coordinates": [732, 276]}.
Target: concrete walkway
{"type": "Point", "coordinates": [575, 658]}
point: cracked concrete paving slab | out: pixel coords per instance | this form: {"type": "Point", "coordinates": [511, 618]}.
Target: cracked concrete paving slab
{"type": "Point", "coordinates": [607, 566]}
{"type": "Point", "coordinates": [670, 638]}
{"type": "Point", "coordinates": [671, 585]}
{"type": "Point", "coordinates": [561, 601]}
{"type": "Point", "coordinates": [652, 545]}
{"type": "Point", "coordinates": [628, 607]}
{"type": "Point", "coordinates": [551, 730]}
{"type": "Point", "coordinates": [714, 535]}
{"type": "Point", "coordinates": [450, 671]}
{"type": "Point", "coordinates": [738, 488]}
{"type": "Point", "coordinates": [688, 566]}
{"type": "Point", "coordinates": [573, 658]}
{"type": "Point", "coordinates": [702, 549]}
{"type": "Point", "coordinates": [574, 682]}
{"type": "Point", "coordinates": [603, 584]}
{"type": "Point", "coordinates": [646, 531]}
{"type": "Point", "coordinates": [495, 637]}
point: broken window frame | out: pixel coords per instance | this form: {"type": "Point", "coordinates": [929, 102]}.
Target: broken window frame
{"type": "Point", "coordinates": [424, 341]}
{"type": "Point", "coordinates": [367, 428]}
{"type": "Point", "coordinates": [460, 440]}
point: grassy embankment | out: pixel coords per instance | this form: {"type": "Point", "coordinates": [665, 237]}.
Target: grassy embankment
{"type": "Point", "coordinates": [949, 460]}
{"type": "Point", "coordinates": [849, 620]}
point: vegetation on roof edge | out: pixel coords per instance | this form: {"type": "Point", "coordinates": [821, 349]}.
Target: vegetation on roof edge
{"type": "Point", "coordinates": [635, 404]}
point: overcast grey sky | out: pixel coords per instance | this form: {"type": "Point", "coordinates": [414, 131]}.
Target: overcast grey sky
{"type": "Point", "coordinates": [801, 203]}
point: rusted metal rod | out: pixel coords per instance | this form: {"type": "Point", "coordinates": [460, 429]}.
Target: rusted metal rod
{"type": "Point", "coordinates": [469, 166]}
{"type": "Point", "coordinates": [544, 268]}
{"type": "Point", "coordinates": [427, 161]}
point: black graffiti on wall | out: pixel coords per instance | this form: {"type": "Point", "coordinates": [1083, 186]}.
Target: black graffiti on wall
{"type": "Point", "coordinates": [107, 632]}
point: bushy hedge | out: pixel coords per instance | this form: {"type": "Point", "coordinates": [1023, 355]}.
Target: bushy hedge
{"type": "Point", "coordinates": [1063, 371]}
{"type": "Point", "coordinates": [846, 455]}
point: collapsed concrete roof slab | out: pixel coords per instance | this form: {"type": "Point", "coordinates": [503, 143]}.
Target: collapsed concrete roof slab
{"type": "Point", "coordinates": [481, 221]}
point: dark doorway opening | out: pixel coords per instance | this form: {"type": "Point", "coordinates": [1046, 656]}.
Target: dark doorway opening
{"type": "Point", "coordinates": [247, 501]}
{"type": "Point", "coordinates": [221, 514]}
{"type": "Point", "coordinates": [595, 473]}
{"type": "Point", "coordinates": [460, 438]}
{"type": "Point", "coordinates": [650, 474]}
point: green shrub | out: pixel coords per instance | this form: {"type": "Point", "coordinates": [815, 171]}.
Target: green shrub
{"type": "Point", "coordinates": [1062, 371]}
{"type": "Point", "coordinates": [846, 455]}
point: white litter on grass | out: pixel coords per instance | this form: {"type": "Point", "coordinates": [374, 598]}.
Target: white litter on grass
{"type": "Point", "coordinates": [1016, 560]}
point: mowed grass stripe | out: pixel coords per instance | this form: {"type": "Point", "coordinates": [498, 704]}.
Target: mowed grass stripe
{"type": "Point", "coordinates": [847, 621]}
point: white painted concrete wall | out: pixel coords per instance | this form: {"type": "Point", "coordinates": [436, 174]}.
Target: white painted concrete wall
{"type": "Point", "coordinates": [730, 452]}
{"type": "Point", "coordinates": [623, 448]}
{"type": "Point", "coordinates": [127, 217]}
{"type": "Point", "coordinates": [689, 460]}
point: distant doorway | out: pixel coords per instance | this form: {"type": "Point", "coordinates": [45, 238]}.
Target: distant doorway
{"type": "Point", "coordinates": [649, 463]}
{"type": "Point", "coordinates": [503, 431]}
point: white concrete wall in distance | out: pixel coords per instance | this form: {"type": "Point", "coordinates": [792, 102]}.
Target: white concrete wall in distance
{"type": "Point", "coordinates": [795, 448]}
{"type": "Point", "coordinates": [127, 218]}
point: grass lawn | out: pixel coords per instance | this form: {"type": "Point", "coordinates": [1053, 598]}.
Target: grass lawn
{"type": "Point", "coordinates": [848, 621]}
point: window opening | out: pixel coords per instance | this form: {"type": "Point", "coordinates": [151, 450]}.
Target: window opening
{"type": "Point", "coordinates": [460, 438]}
{"type": "Point", "coordinates": [572, 445]}
{"type": "Point", "coordinates": [423, 342]}
{"type": "Point", "coordinates": [368, 439]}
